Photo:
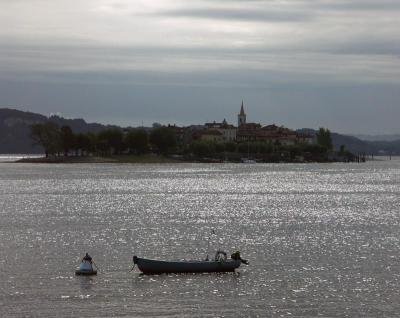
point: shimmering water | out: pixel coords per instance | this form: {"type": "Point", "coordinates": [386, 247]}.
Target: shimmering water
{"type": "Point", "coordinates": [322, 239]}
{"type": "Point", "coordinates": [14, 157]}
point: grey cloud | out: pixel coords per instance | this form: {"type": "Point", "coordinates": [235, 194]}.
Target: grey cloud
{"type": "Point", "coordinates": [363, 44]}
{"type": "Point", "coordinates": [363, 47]}
{"type": "Point", "coordinates": [283, 65]}
{"type": "Point", "coordinates": [263, 15]}
{"type": "Point", "coordinates": [332, 4]}
{"type": "Point", "coordinates": [360, 5]}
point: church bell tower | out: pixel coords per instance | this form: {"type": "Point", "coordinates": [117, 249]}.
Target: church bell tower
{"type": "Point", "coordinates": [241, 116]}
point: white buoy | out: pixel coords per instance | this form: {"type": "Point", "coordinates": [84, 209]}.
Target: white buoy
{"type": "Point", "coordinates": [86, 266]}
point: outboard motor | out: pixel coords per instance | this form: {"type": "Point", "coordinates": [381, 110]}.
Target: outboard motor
{"type": "Point", "coordinates": [135, 261]}
{"type": "Point", "coordinates": [236, 256]}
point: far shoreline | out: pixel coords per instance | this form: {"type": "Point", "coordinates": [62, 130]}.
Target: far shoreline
{"type": "Point", "coordinates": [98, 159]}
{"type": "Point", "coordinates": [150, 159]}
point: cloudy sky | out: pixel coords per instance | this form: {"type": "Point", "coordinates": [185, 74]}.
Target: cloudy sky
{"type": "Point", "coordinates": [299, 63]}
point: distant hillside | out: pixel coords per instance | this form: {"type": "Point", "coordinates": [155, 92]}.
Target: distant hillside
{"type": "Point", "coordinates": [356, 145]}
{"type": "Point", "coordinates": [15, 129]}
{"type": "Point", "coordinates": [378, 137]}
{"type": "Point", "coordinates": [353, 144]}
{"type": "Point", "coordinates": [386, 147]}
{"type": "Point", "coordinates": [78, 125]}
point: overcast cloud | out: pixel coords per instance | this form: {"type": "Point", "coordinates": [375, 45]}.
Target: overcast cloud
{"type": "Point", "coordinates": [301, 63]}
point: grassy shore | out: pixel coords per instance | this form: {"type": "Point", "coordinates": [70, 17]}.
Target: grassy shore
{"type": "Point", "coordinates": [149, 158]}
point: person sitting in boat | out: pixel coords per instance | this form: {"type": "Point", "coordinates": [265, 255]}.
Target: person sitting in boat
{"type": "Point", "coordinates": [86, 263]}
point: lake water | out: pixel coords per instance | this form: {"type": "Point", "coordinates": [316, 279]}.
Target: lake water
{"type": "Point", "coordinates": [322, 239]}
{"type": "Point", "coordinates": [14, 157]}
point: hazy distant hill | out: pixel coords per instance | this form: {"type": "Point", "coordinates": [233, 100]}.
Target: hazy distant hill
{"type": "Point", "coordinates": [356, 145]}
{"type": "Point", "coordinates": [78, 125]}
{"type": "Point", "coordinates": [378, 137]}
{"type": "Point", "coordinates": [15, 129]}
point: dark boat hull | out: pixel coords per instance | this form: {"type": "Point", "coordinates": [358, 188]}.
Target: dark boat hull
{"type": "Point", "coordinates": [82, 272]}
{"type": "Point", "coordinates": [148, 266]}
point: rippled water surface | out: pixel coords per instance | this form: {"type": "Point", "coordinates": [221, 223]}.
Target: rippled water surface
{"type": "Point", "coordinates": [322, 239]}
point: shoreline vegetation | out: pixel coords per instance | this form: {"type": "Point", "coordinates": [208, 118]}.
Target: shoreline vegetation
{"type": "Point", "coordinates": [161, 159]}
{"type": "Point", "coordinates": [98, 159]}
{"type": "Point", "coordinates": [165, 145]}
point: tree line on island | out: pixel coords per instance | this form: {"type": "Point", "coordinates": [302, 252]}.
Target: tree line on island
{"type": "Point", "coordinates": [58, 141]}
{"type": "Point", "coordinates": [62, 141]}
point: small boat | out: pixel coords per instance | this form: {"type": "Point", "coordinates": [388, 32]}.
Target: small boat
{"type": "Point", "coordinates": [86, 267]}
{"type": "Point", "coordinates": [220, 263]}
{"type": "Point", "coordinates": [247, 160]}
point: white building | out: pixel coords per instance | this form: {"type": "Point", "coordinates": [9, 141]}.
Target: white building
{"type": "Point", "coordinates": [228, 131]}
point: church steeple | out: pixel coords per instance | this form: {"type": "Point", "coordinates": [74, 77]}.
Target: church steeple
{"type": "Point", "coordinates": [241, 116]}
{"type": "Point", "coordinates": [242, 109]}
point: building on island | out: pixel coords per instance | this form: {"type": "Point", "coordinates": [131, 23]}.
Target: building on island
{"type": "Point", "coordinates": [244, 132]}
{"type": "Point", "coordinates": [209, 135]}
{"type": "Point", "coordinates": [271, 133]}
{"type": "Point", "coordinates": [179, 133]}
{"type": "Point", "coordinates": [228, 131]}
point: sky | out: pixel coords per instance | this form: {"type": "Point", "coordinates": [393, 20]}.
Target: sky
{"type": "Point", "coordinates": [297, 63]}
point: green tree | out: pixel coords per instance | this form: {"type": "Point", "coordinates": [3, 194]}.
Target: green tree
{"type": "Point", "coordinates": [264, 148]}
{"type": "Point", "coordinates": [243, 147]}
{"type": "Point", "coordinates": [137, 141]}
{"type": "Point", "coordinates": [84, 143]}
{"type": "Point", "coordinates": [48, 136]}
{"type": "Point", "coordinates": [202, 148]}
{"type": "Point", "coordinates": [163, 139]}
{"type": "Point", "coordinates": [314, 149]}
{"type": "Point", "coordinates": [324, 138]}
{"type": "Point", "coordinates": [230, 146]}
{"type": "Point", "coordinates": [219, 147]}
{"type": "Point", "coordinates": [67, 139]}
{"type": "Point", "coordinates": [255, 147]}
{"type": "Point", "coordinates": [110, 141]}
